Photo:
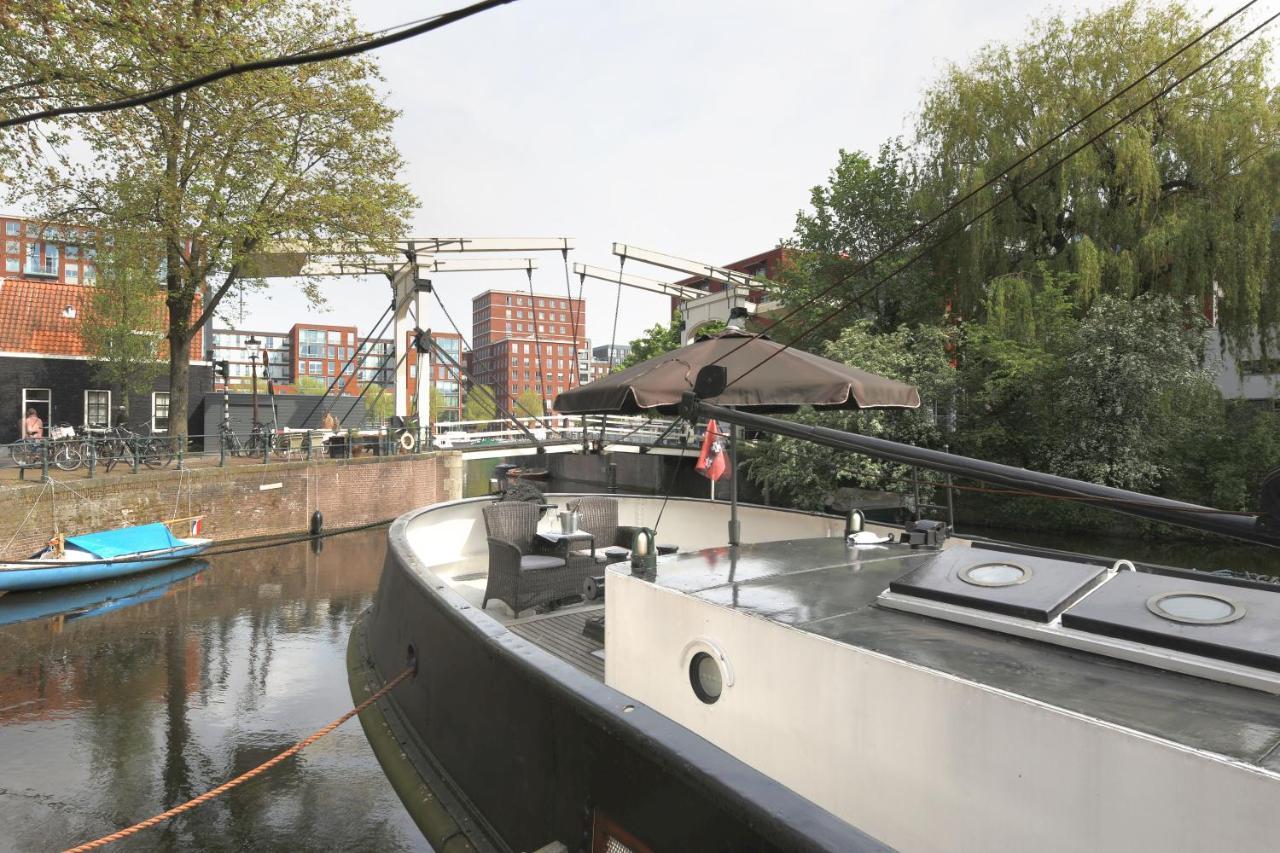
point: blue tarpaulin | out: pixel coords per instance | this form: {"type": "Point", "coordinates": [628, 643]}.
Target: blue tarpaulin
{"type": "Point", "coordinates": [125, 540]}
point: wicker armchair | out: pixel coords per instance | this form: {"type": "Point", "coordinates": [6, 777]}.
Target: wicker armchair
{"type": "Point", "coordinates": [522, 574]}
{"type": "Point", "coordinates": [599, 517]}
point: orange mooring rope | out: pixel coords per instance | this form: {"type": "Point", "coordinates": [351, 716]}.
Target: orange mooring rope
{"type": "Point", "coordinates": [243, 777]}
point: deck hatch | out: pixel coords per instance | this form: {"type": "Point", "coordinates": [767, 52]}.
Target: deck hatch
{"type": "Point", "coordinates": [1228, 623]}
{"type": "Point", "coordinates": [1028, 587]}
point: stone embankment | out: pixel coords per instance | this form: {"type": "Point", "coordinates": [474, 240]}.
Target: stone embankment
{"type": "Point", "coordinates": [237, 502]}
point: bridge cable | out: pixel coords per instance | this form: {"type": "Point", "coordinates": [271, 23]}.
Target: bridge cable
{"type": "Point", "coordinates": [539, 375]}
{"type": "Point", "coordinates": [574, 314]}
{"type": "Point", "coordinates": [385, 320]}
{"type": "Point", "coordinates": [247, 775]}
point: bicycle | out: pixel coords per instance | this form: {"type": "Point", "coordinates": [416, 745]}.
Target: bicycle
{"type": "Point", "coordinates": [231, 441]}
{"type": "Point", "coordinates": [26, 453]}
{"type": "Point", "coordinates": [66, 449]}
{"type": "Point", "coordinates": [260, 441]}
{"type": "Point", "coordinates": [152, 451]}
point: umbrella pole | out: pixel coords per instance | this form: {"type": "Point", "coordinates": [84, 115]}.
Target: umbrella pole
{"type": "Point", "coordinates": [735, 529]}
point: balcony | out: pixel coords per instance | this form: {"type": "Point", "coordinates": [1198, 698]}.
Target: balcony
{"type": "Point", "coordinates": [47, 268]}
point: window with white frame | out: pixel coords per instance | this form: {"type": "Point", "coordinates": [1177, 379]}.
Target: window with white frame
{"type": "Point", "coordinates": [12, 265]}
{"type": "Point", "coordinates": [97, 408]}
{"type": "Point", "coordinates": [159, 411]}
{"type": "Point", "coordinates": [72, 273]}
{"type": "Point", "coordinates": [39, 399]}
{"type": "Point", "coordinates": [13, 229]}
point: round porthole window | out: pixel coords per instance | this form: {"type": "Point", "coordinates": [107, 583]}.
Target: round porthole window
{"type": "Point", "coordinates": [995, 574]}
{"type": "Point", "coordinates": [1195, 608]}
{"type": "Point", "coordinates": [705, 677]}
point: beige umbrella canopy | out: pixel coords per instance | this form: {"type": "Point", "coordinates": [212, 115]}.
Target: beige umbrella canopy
{"type": "Point", "coordinates": [790, 378]}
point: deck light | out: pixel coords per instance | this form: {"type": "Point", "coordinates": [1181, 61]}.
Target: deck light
{"type": "Point", "coordinates": [644, 554]}
{"type": "Point", "coordinates": [1195, 608]}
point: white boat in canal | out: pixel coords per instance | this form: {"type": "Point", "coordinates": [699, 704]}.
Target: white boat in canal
{"type": "Point", "coordinates": [801, 692]}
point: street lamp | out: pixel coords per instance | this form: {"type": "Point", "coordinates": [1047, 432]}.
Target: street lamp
{"type": "Point", "coordinates": [253, 344]}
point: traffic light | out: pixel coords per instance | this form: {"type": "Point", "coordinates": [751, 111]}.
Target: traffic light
{"type": "Point", "coordinates": [224, 370]}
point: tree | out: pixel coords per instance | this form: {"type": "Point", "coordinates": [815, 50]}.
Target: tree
{"type": "Point", "coordinates": [528, 404]}
{"type": "Point", "coordinates": [864, 207]}
{"type": "Point", "coordinates": [378, 403]}
{"type": "Point", "coordinates": [313, 386]}
{"type": "Point", "coordinates": [123, 324]}
{"type": "Point", "coordinates": [806, 473]}
{"type": "Point", "coordinates": [216, 174]}
{"type": "Point", "coordinates": [656, 340]}
{"type": "Point", "coordinates": [1178, 200]}
{"type": "Point", "coordinates": [480, 404]}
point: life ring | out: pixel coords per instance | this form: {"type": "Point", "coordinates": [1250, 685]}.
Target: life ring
{"type": "Point", "coordinates": [407, 441]}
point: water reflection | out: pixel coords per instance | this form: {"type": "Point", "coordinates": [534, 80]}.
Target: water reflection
{"type": "Point", "coordinates": [113, 708]}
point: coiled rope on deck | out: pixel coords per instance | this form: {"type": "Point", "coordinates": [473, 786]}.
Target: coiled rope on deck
{"type": "Point", "coordinates": [246, 776]}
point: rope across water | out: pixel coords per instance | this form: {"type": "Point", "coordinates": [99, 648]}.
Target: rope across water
{"type": "Point", "coordinates": [243, 777]}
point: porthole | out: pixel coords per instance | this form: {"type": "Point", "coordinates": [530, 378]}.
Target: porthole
{"type": "Point", "coordinates": [706, 678]}
{"type": "Point", "coordinates": [996, 574]}
{"type": "Point", "coordinates": [1195, 608]}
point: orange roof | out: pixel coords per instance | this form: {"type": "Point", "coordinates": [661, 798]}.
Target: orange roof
{"type": "Point", "coordinates": [44, 318]}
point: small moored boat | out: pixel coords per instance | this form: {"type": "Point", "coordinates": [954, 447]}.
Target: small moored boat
{"type": "Point", "coordinates": [98, 556]}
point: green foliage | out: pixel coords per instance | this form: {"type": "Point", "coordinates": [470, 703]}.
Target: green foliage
{"type": "Point", "coordinates": [379, 403]}
{"type": "Point", "coordinates": [1176, 200]}
{"type": "Point", "coordinates": [217, 174]}
{"type": "Point", "coordinates": [311, 385]}
{"type": "Point", "coordinates": [528, 404]}
{"type": "Point", "coordinates": [865, 206]}
{"type": "Point", "coordinates": [656, 340]}
{"type": "Point", "coordinates": [806, 473]}
{"type": "Point", "coordinates": [123, 326]}
{"type": "Point", "coordinates": [479, 405]}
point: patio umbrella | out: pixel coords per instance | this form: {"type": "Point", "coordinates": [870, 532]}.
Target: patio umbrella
{"type": "Point", "coordinates": [789, 379]}
{"type": "Point", "coordinates": [762, 376]}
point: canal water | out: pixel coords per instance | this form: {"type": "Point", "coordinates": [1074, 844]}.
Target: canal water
{"type": "Point", "coordinates": [150, 692]}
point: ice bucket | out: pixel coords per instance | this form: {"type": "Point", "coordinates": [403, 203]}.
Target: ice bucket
{"type": "Point", "coordinates": [569, 522]}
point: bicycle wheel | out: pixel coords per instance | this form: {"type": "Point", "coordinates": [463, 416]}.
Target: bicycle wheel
{"type": "Point", "coordinates": [25, 453]}
{"type": "Point", "coordinates": [111, 451]}
{"type": "Point", "coordinates": [67, 457]}
{"type": "Point", "coordinates": [156, 453]}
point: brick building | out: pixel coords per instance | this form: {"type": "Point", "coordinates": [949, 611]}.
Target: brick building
{"type": "Point", "coordinates": [329, 352]}
{"type": "Point", "coordinates": [45, 365]}
{"type": "Point", "coordinates": [522, 342]}
{"type": "Point", "coordinates": [50, 253]}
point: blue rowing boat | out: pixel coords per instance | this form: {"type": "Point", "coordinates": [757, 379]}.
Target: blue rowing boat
{"type": "Point", "coordinates": [99, 556]}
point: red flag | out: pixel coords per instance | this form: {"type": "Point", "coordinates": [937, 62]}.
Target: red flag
{"type": "Point", "coordinates": [711, 461]}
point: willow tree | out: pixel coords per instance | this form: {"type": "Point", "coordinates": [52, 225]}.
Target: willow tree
{"type": "Point", "coordinates": [1181, 199]}
{"type": "Point", "coordinates": [217, 173]}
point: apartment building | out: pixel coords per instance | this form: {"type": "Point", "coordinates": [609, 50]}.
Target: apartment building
{"type": "Point", "coordinates": [525, 342]}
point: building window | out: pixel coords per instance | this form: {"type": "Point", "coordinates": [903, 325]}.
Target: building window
{"type": "Point", "coordinates": [72, 273]}
{"type": "Point", "coordinates": [73, 251]}
{"type": "Point", "coordinates": [97, 408]}
{"type": "Point", "coordinates": [13, 247]}
{"type": "Point", "coordinates": [38, 399]}
{"type": "Point", "coordinates": [12, 265]}
{"type": "Point", "coordinates": [159, 411]}
{"type": "Point", "coordinates": [13, 229]}
{"type": "Point", "coordinates": [90, 274]}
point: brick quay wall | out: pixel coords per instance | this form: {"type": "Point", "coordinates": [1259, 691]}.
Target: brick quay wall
{"type": "Point", "coordinates": [237, 502]}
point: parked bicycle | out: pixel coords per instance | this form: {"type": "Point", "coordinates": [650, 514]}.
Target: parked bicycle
{"type": "Point", "coordinates": [231, 441]}
{"type": "Point", "coordinates": [122, 444]}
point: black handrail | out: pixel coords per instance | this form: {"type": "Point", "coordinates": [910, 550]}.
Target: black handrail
{"type": "Point", "coordinates": [1243, 526]}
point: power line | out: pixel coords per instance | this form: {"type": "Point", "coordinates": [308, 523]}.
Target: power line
{"type": "Point", "coordinates": [286, 61]}
{"type": "Point", "coordinates": [916, 232]}
{"type": "Point", "coordinates": [846, 303]}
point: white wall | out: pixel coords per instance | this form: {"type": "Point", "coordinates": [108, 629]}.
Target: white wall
{"type": "Point", "coordinates": [923, 760]}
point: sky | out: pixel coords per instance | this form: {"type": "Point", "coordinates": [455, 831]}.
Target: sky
{"type": "Point", "coordinates": [694, 128]}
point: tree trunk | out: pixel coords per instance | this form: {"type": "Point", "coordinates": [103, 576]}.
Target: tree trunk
{"type": "Point", "coordinates": [179, 375]}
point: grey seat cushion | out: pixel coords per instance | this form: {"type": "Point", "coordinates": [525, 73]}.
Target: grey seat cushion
{"type": "Point", "coordinates": [534, 562]}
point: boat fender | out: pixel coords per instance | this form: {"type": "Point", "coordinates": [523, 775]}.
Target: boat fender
{"type": "Point", "coordinates": [317, 523]}
{"type": "Point", "coordinates": [1270, 501]}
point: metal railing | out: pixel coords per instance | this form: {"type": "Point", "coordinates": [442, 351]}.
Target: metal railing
{"type": "Point", "coordinates": [98, 451]}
